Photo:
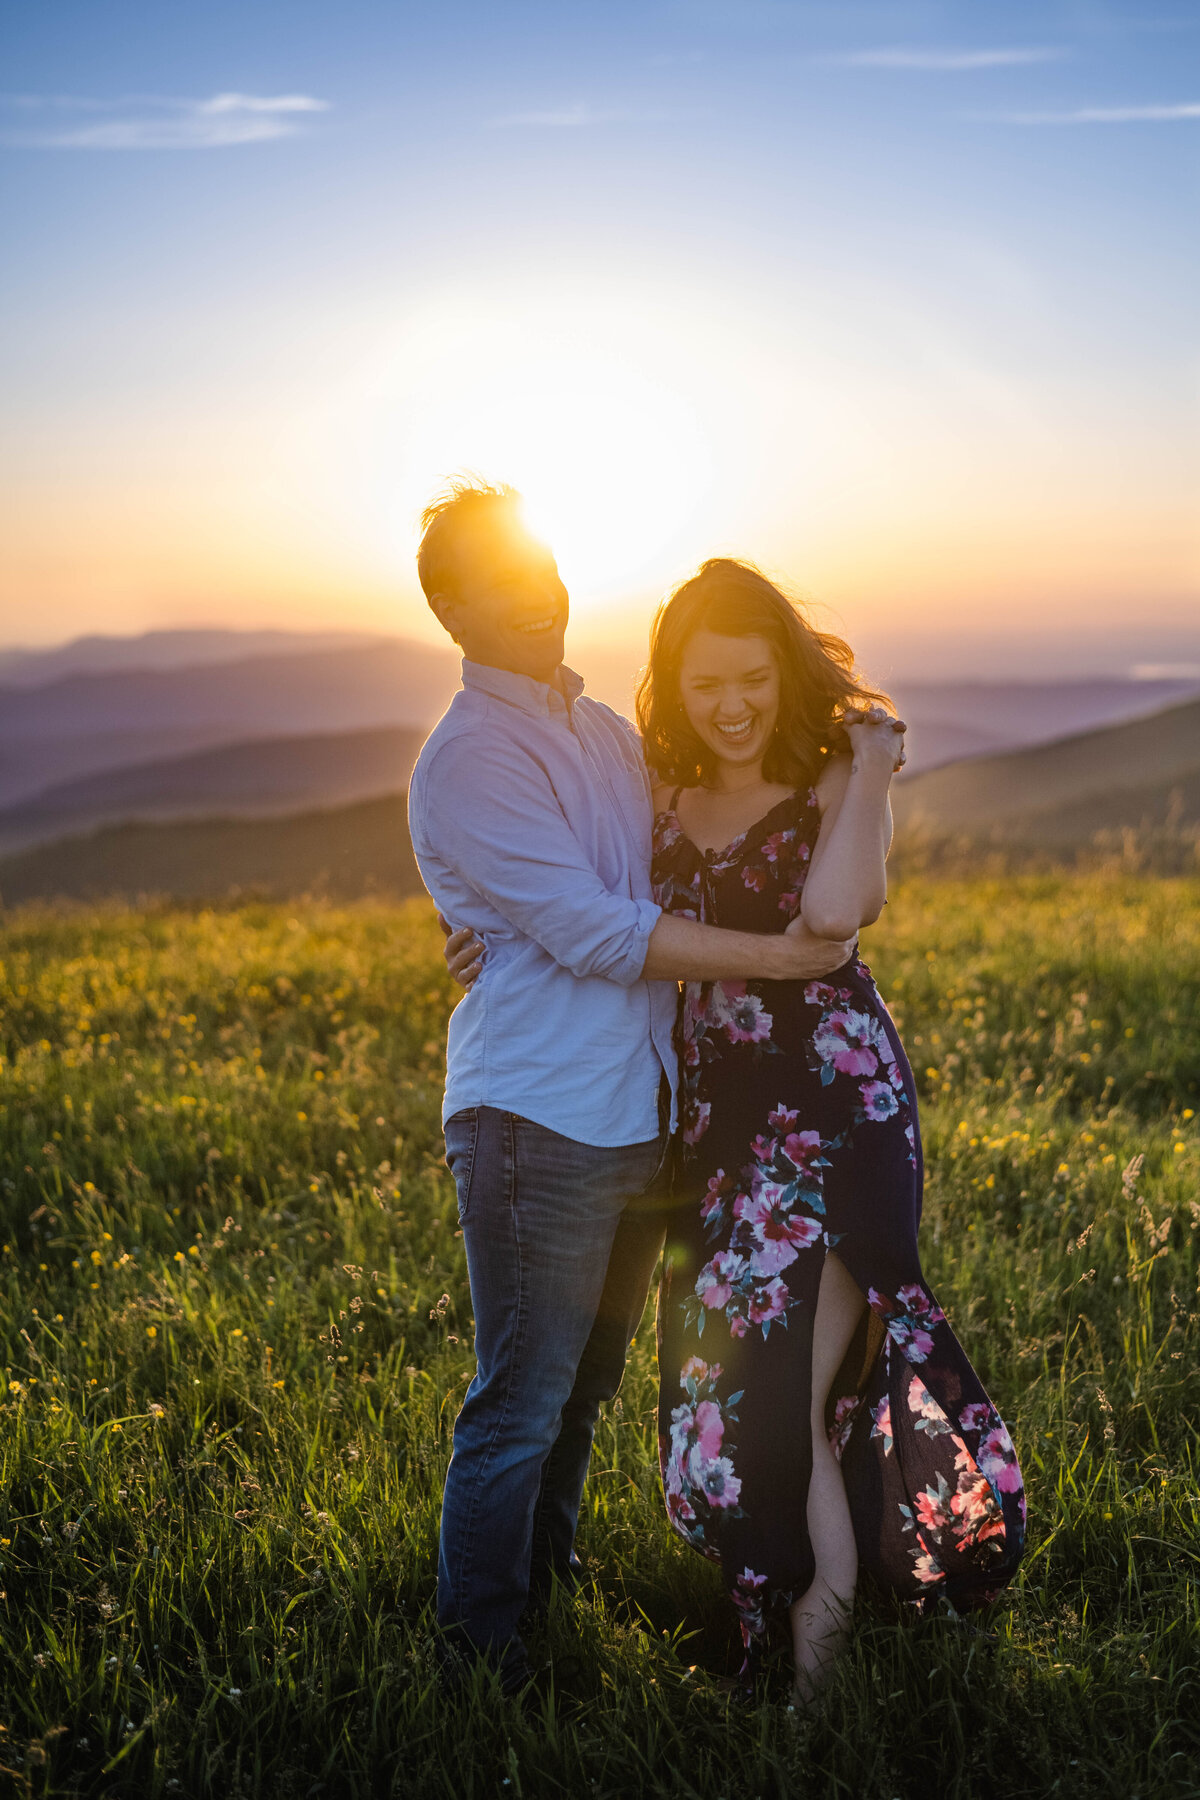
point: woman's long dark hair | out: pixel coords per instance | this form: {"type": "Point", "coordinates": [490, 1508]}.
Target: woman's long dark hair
{"type": "Point", "coordinates": [816, 676]}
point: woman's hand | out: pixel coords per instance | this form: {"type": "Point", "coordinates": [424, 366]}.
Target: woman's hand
{"type": "Point", "coordinates": [463, 952]}
{"type": "Point", "coordinates": [875, 736]}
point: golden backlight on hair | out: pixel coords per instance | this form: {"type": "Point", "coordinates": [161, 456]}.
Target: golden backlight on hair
{"type": "Point", "coordinates": [603, 461]}
{"type": "Point", "coordinates": [607, 452]}
{"type": "Point", "coordinates": [816, 674]}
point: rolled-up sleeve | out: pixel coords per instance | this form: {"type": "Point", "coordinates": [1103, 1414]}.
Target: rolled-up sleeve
{"type": "Point", "coordinates": [490, 814]}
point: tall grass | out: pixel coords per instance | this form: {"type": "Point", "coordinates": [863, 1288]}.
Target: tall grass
{"type": "Point", "coordinates": [236, 1329]}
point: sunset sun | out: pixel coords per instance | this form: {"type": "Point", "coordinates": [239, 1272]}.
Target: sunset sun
{"type": "Point", "coordinates": [612, 460]}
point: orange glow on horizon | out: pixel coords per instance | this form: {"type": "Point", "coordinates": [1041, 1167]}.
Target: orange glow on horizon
{"type": "Point", "coordinates": [644, 440]}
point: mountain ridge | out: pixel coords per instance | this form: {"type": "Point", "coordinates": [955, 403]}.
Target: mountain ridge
{"type": "Point", "coordinates": [254, 777]}
{"type": "Point", "coordinates": [345, 852]}
{"type": "Point", "coordinates": [83, 722]}
{"type": "Point", "coordinates": [108, 652]}
{"type": "Point", "coordinates": [996, 792]}
{"type": "Point", "coordinates": [1052, 798]}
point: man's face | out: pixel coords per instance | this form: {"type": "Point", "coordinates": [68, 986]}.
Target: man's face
{"type": "Point", "coordinates": [509, 607]}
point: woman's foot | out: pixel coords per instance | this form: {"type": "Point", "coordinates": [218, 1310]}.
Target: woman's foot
{"type": "Point", "coordinates": [821, 1623]}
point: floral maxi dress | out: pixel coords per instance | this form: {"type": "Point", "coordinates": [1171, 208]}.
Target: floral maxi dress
{"type": "Point", "coordinates": [800, 1134]}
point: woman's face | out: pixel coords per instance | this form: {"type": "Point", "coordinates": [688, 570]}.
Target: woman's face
{"type": "Point", "coordinates": [729, 687]}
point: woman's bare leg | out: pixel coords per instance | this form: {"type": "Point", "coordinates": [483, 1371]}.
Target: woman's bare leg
{"type": "Point", "coordinates": [821, 1616]}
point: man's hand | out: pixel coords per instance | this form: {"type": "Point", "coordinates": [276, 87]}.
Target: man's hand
{"type": "Point", "coordinates": [463, 952]}
{"type": "Point", "coordinates": [814, 955]}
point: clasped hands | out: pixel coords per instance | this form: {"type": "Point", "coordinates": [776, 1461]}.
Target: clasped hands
{"type": "Point", "coordinates": [871, 726]}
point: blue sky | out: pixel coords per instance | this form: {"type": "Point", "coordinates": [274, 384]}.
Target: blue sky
{"type": "Point", "coordinates": [905, 293]}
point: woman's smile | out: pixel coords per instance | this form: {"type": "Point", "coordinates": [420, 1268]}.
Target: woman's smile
{"type": "Point", "coordinates": [729, 687]}
{"type": "Point", "coordinates": [736, 731]}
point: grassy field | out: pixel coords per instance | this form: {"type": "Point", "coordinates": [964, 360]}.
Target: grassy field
{"type": "Point", "coordinates": [236, 1329]}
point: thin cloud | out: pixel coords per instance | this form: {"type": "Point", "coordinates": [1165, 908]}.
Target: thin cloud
{"type": "Point", "coordinates": [149, 123]}
{"type": "Point", "coordinates": [282, 103]}
{"type": "Point", "coordinates": [562, 117]}
{"type": "Point", "coordinates": [1101, 115]}
{"type": "Point", "coordinates": [946, 61]}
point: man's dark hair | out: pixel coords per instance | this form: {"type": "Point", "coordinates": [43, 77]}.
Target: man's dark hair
{"type": "Point", "coordinates": [465, 503]}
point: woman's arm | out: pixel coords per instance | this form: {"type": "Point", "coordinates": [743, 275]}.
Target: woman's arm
{"type": "Point", "coordinates": [847, 882]}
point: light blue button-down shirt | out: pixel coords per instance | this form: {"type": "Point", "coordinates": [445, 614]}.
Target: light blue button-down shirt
{"type": "Point", "coordinates": [531, 819]}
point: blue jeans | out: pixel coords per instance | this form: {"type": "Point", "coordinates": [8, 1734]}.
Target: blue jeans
{"type": "Point", "coordinates": [561, 1241]}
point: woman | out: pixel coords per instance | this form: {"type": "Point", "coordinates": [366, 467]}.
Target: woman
{"type": "Point", "coordinates": [816, 1410]}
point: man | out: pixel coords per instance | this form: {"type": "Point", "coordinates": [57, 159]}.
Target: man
{"type": "Point", "coordinates": [530, 814]}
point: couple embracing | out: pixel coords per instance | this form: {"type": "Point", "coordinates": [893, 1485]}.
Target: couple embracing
{"type": "Point", "coordinates": [669, 1033]}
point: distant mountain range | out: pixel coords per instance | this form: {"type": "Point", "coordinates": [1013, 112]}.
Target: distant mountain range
{"type": "Point", "coordinates": [82, 723]}
{"type": "Point", "coordinates": [101, 655]}
{"type": "Point", "coordinates": [1054, 798]}
{"type": "Point", "coordinates": [125, 728]}
{"type": "Point", "coordinates": [254, 778]}
{"type": "Point", "coordinates": [951, 721]}
{"type": "Point", "coordinates": [1058, 795]}
{"type": "Point", "coordinates": [344, 852]}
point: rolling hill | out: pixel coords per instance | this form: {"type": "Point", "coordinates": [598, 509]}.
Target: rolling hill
{"type": "Point", "coordinates": [949, 721]}
{"type": "Point", "coordinates": [1059, 794]}
{"type": "Point", "coordinates": [1053, 799]}
{"type": "Point", "coordinates": [343, 852]}
{"type": "Point", "coordinates": [80, 724]}
{"type": "Point", "coordinates": [259, 777]}
{"type": "Point", "coordinates": [1172, 805]}
{"type": "Point", "coordinates": [98, 704]}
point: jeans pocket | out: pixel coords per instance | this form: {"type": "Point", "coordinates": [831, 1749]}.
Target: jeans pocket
{"type": "Point", "coordinates": [462, 1135]}
{"type": "Point", "coordinates": [663, 1179]}
{"type": "Point", "coordinates": [656, 1196]}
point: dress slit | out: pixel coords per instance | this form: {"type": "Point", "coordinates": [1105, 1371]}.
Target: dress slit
{"type": "Point", "coordinates": [800, 1135]}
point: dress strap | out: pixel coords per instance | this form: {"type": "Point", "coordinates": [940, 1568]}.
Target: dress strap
{"type": "Point", "coordinates": [674, 802]}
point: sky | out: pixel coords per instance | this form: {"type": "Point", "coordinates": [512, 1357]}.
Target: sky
{"type": "Point", "coordinates": [896, 300]}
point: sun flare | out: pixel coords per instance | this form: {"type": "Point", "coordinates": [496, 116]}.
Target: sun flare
{"type": "Point", "coordinates": [612, 460]}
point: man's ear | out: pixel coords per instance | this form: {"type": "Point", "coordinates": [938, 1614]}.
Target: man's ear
{"type": "Point", "coordinates": [444, 608]}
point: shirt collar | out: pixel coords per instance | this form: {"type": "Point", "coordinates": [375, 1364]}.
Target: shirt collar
{"type": "Point", "coordinates": [537, 698]}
